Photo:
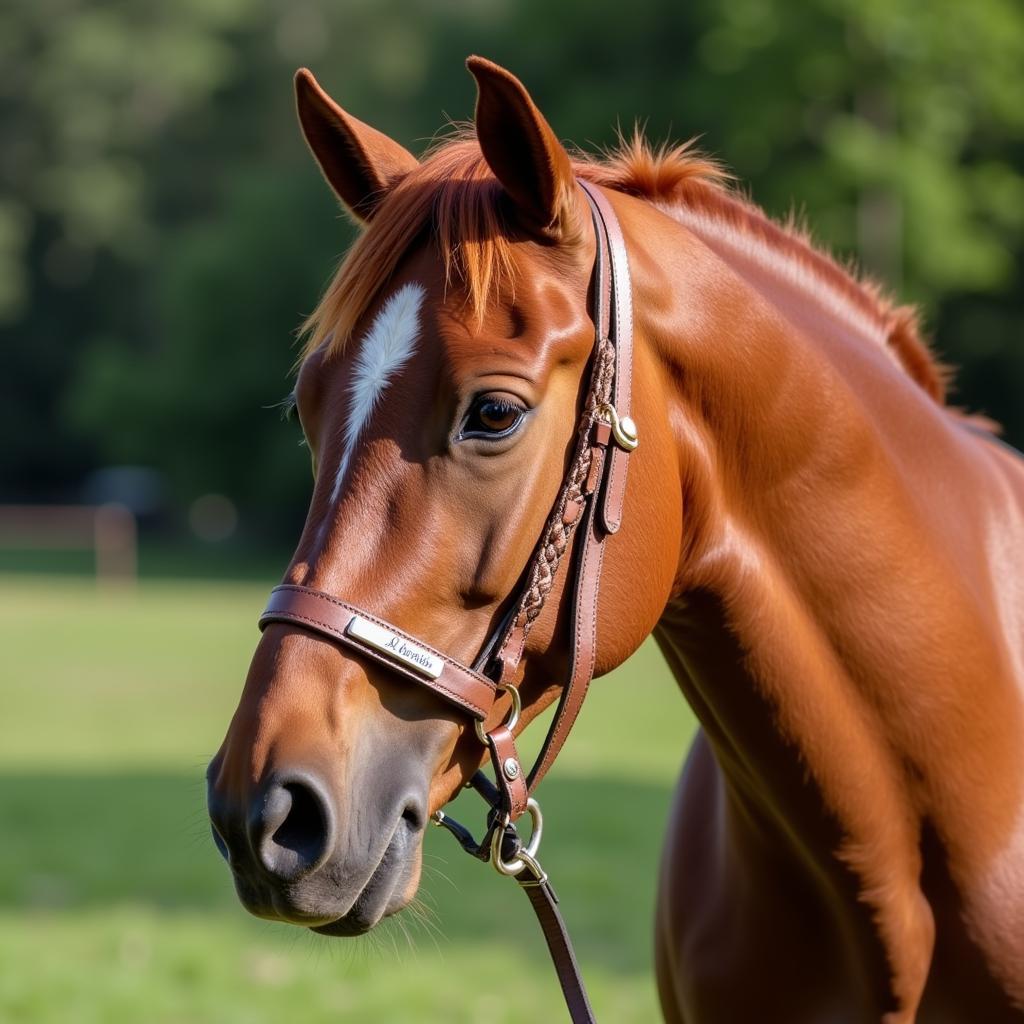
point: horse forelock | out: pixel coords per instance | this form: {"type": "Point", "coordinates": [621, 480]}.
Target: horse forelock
{"type": "Point", "coordinates": [452, 200]}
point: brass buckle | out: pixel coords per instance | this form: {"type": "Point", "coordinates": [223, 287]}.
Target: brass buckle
{"type": "Point", "coordinates": [623, 428]}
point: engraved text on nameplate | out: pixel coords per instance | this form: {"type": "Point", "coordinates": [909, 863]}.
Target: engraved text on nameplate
{"type": "Point", "coordinates": [391, 644]}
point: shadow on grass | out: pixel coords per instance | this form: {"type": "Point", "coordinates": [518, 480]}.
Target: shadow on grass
{"type": "Point", "coordinates": [102, 840]}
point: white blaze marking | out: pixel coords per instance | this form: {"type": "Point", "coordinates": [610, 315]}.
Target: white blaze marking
{"type": "Point", "coordinates": [387, 346]}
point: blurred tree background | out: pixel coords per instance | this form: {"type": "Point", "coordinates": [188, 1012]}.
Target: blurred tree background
{"type": "Point", "coordinates": [163, 231]}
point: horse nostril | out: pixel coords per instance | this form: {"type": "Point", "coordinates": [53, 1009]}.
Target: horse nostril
{"type": "Point", "coordinates": [413, 814]}
{"type": "Point", "coordinates": [293, 831]}
{"type": "Point", "coordinates": [303, 828]}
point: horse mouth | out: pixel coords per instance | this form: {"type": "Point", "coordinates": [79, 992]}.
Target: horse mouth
{"type": "Point", "coordinates": [372, 905]}
{"type": "Point", "coordinates": [383, 895]}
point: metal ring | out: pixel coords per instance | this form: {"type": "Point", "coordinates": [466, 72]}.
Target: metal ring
{"type": "Point", "coordinates": [529, 855]}
{"type": "Point", "coordinates": [513, 716]}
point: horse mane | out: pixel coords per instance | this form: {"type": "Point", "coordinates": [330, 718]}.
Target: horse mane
{"type": "Point", "coordinates": [453, 197]}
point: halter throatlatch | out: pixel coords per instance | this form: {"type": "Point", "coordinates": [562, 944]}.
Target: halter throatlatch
{"type": "Point", "coordinates": [590, 502]}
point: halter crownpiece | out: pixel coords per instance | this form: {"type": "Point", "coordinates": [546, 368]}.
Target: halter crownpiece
{"type": "Point", "coordinates": [590, 501]}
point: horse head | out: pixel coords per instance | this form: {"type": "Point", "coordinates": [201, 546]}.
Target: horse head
{"type": "Point", "coordinates": [440, 395]}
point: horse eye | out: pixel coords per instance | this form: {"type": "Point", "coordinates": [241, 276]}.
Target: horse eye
{"type": "Point", "coordinates": [492, 417]}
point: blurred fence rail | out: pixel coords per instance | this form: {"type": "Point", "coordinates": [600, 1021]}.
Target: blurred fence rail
{"type": "Point", "coordinates": [109, 530]}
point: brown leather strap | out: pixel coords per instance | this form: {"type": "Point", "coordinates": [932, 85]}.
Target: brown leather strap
{"type": "Point", "coordinates": [604, 282]}
{"type": "Point", "coordinates": [556, 935]}
{"type": "Point", "coordinates": [579, 482]}
{"type": "Point", "coordinates": [321, 613]}
{"type": "Point", "coordinates": [590, 558]}
{"type": "Point", "coordinates": [606, 460]}
{"type": "Point", "coordinates": [622, 303]}
{"type": "Point", "coordinates": [508, 771]}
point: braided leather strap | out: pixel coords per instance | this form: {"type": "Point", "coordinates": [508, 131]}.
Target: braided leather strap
{"type": "Point", "coordinates": [565, 517]}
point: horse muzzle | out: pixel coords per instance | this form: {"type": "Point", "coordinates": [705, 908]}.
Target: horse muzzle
{"type": "Point", "coordinates": [295, 857]}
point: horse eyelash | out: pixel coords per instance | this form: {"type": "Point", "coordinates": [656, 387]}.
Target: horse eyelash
{"type": "Point", "coordinates": [504, 404]}
{"type": "Point", "coordinates": [288, 406]}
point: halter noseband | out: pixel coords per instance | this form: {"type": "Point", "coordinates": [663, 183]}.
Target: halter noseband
{"type": "Point", "coordinates": [591, 501]}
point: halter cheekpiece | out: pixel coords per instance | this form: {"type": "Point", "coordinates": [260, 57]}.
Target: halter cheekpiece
{"type": "Point", "coordinates": [591, 501]}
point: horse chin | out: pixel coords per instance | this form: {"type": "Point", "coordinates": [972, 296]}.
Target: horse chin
{"type": "Point", "coordinates": [365, 915]}
{"type": "Point", "coordinates": [387, 892]}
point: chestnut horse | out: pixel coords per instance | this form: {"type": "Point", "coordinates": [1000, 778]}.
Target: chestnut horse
{"type": "Point", "coordinates": [828, 556]}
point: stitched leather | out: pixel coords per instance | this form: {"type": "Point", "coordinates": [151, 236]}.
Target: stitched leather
{"type": "Point", "coordinates": [584, 639]}
{"type": "Point", "coordinates": [329, 616]}
{"type": "Point", "coordinates": [583, 471]}
{"type": "Point", "coordinates": [590, 542]}
{"type": "Point", "coordinates": [622, 303]}
{"type": "Point", "coordinates": [502, 745]}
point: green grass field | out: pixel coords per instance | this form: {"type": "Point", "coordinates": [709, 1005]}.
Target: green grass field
{"type": "Point", "coordinates": [114, 906]}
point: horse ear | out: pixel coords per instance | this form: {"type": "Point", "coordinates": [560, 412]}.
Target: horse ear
{"type": "Point", "coordinates": [523, 152]}
{"type": "Point", "coordinates": [360, 163]}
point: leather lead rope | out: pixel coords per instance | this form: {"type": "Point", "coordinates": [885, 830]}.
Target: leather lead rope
{"type": "Point", "coordinates": [588, 509]}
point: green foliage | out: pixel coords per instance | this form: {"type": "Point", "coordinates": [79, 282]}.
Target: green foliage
{"type": "Point", "coordinates": [219, 369]}
{"type": "Point", "coordinates": [162, 231]}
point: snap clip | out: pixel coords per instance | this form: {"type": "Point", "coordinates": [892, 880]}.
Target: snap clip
{"type": "Point", "coordinates": [623, 428]}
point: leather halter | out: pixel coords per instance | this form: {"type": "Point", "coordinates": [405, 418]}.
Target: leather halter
{"type": "Point", "coordinates": [590, 501]}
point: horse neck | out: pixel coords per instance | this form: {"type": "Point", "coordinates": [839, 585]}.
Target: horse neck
{"type": "Point", "coordinates": [823, 605]}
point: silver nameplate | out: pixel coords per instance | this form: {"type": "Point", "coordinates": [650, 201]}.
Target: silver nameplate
{"type": "Point", "coordinates": [392, 645]}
